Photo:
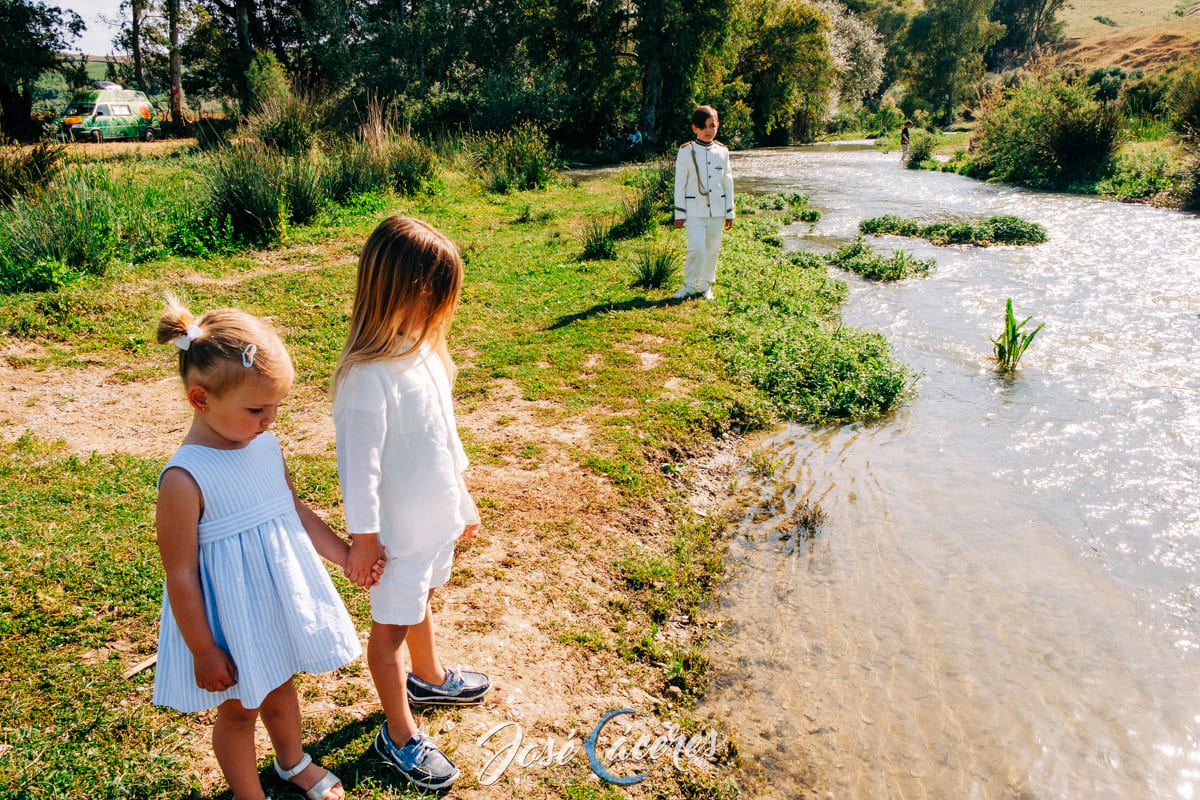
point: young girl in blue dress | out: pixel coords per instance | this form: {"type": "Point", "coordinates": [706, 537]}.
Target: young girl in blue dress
{"type": "Point", "coordinates": [400, 464]}
{"type": "Point", "coordinates": [247, 601]}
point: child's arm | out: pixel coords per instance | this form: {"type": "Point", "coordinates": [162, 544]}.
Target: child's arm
{"type": "Point", "coordinates": [681, 178]}
{"type": "Point", "coordinates": [328, 544]}
{"type": "Point", "coordinates": [177, 516]}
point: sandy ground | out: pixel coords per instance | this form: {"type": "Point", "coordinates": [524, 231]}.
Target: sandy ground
{"type": "Point", "coordinates": [543, 563]}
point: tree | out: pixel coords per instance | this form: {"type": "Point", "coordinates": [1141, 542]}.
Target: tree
{"type": "Point", "coordinates": [31, 33]}
{"type": "Point", "coordinates": [856, 52]}
{"type": "Point", "coordinates": [787, 66]}
{"type": "Point", "coordinates": [948, 41]}
{"type": "Point", "coordinates": [1028, 24]}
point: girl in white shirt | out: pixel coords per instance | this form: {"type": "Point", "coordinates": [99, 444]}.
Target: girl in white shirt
{"type": "Point", "coordinates": [400, 465]}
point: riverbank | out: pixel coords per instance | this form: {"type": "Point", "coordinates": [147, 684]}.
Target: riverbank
{"type": "Point", "coordinates": [602, 422]}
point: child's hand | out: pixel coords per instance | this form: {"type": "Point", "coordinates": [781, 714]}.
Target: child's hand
{"type": "Point", "coordinates": [365, 560]}
{"type": "Point", "coordinates": [469, 532]}
{"type": "Point", "coordinates": [215, 670]}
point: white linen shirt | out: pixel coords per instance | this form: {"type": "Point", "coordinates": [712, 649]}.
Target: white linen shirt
{"type": "Point", "coordinates": [715, 177]}
{"type": "Point", "coordinates": [400, 460]}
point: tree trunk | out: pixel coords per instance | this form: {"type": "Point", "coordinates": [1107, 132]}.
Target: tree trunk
{"type": "Point", "coordinates": [177, 121]}
{"type": "Point", "coordinates": [17, 107]}
{"type": "Point", "coordinates": [652, 80]}
{"type": "Point", "coordinates": [136, 8]}
{"type": "Point", "coordinates": [246, 47]}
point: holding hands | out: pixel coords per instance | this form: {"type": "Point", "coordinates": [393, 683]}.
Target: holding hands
{"type": "Point", "coordinates": [365, 560]}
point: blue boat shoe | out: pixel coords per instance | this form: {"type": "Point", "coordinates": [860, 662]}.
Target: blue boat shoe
{"type": "Point", "coordinates": [461, 688]}
{"type": "Point", "coordinates": [420, 761]}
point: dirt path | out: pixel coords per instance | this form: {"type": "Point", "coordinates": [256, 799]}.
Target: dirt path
{"type": "Point", "coordinates": [541, 568]}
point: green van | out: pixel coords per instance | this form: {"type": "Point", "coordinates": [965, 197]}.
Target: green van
{"type": "Point", "coordinates": [108, 112]}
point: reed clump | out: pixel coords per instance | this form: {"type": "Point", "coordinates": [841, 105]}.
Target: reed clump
{"type": "Point", "coordinates": [858, 257]}
{"type": "Point", "coordinates": [1013, 341]}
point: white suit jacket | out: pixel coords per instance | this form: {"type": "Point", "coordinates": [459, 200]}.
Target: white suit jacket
{"type": "Point", "coordinates": [714, 177]}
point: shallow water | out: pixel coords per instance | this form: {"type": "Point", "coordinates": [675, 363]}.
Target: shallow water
{"type": "Point", "coordinates": [1003, 600]}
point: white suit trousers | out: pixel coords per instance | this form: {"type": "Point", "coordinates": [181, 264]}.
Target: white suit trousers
{"type": "Point", "coordinates": [703, 246]}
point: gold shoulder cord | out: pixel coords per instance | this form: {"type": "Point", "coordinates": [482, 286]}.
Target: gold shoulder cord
{"type": "Point", "coordinates": [696, 164]}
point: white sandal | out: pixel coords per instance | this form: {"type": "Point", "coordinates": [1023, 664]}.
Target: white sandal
{"type": "Point", "coordinates": [319, 789]}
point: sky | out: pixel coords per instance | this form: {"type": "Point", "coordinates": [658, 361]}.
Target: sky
{"type": "Point", "coordinates": [97, 39]}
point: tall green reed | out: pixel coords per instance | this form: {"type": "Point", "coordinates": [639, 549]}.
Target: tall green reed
{"type": "Point", "coordinates": [1013, 341]}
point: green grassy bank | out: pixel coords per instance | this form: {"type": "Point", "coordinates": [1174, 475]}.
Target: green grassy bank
{"type": "Point", "coordinates": [80, 583]}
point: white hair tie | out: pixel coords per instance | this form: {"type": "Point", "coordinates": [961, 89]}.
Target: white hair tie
{"type": "Point", "coordinates": [193, 332]}
{"type": "Point", "coordinates": [248, 355]}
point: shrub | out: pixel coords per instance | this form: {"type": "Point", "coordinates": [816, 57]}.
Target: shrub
{"type": "Point", "coordinates": [245, 193]}
{"type": "Point", "coordinates": [290, 124]}
{"type": "Point", "coordinates": [412, 166]}
{"type": "Point", "coordinates": [27, 171]}
{"type": "Point", "coordinates": [520, 159]}
{"type": "Point", "coordinates": [1049, 134]}
{"type": "Point", "coordinates": [656, 266]}
{"type": "Point", "coordinates": [306, 188]}
{"type": "Point", "coordinates": [920, 148]}
{"type": "Point", "coordinates": [213, 134]}
{"type": "Point", "coordinates": [597, 240]}
{"type": "Point", "coordinates": [357, 169]}
{"type": "Point", "coordinates": [1185, 102]}
{"type": "Point", "coordinates": [983, 233]}
{"type": "Point", "coordinates": [637, 214]}
{"type": "Point", "coordinates": [858, 257]}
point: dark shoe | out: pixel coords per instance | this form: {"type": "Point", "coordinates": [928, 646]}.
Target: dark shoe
{"type": "Point", "coordinates": [419, 761]}
{"type": "Point", "coordinates": [461, 688]}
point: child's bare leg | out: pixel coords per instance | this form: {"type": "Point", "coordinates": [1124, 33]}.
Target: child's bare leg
{"type": "Point", "coordinates": [281, 716]}
{"type": "Point", "coordinates": [233, 745]}
{"type": "Point", "coordinates": [422, 648]}
{"type": "Point", "coordinates": [387, 670]}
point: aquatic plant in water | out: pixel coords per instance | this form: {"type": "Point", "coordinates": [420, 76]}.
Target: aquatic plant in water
{"type": "Point", "coordinates": [1013, 341]}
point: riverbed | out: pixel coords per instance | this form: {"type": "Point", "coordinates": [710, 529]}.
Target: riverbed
{"type": "Point", "coordinates": [1002, 601]}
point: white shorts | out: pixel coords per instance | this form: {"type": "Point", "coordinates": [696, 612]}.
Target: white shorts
{"type": "Point", "coordinates": [403, 589]}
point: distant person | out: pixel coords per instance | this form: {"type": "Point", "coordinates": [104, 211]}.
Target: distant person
{"type": "Point", "coordinates": [703, 202]}
{"type": "Point", "coordinates": [400, 464]}
{"type": "Point", "coordinates": [904, 136]}
{"type": "Point", "coordinates": [635, 138]}
{"type": "Point", "coordinates": [247, 602]}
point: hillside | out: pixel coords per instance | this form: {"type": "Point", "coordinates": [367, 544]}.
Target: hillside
{"type": "Point", "coordinates": [1149, 35]}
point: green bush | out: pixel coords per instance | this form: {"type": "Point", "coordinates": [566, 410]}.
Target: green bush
{"type": "Point", "coordinates": [1185, 102]}
{"type": "Point", "coordinates": [597, 240]}
{"type": "Point", "coordinates": [920, 148]}
{"type": "Point", "coordinates": [657, 265]}
{"type": "Point", "coordinates": [358, 168]}
{"type": "Point", "coordinates": [27, 171]}
{"type": "Point", "coordinates": [412, 166]}
{"type": "Point", "coordinates": [213, 134]}
{"type": "Point", "coordinates": [637, 214]}
{"type": "Point", "coordinates": [1049, 134]}
{"type": "Point", "coordinates": [520, 159]}
{"type": "Point", "coordinates": [246, 194]}
{"type": "Point", "coordinates": [858, 257]}
{"type": "Point", "coordinates": [306, 188]}
{"type": "Point", "coordinates": [983, 233]}
{"type": "Point", "coordinates": [290, 124]}
{"type": "Point", "coordinates": [1137, 176]}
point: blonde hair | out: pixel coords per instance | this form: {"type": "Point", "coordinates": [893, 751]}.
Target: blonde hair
{"type": "Point", "coordinates": [409, 276]}
{"type": "Point", "coordinates": [231, 346]}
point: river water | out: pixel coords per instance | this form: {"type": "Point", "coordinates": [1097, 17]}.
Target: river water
{"type": "Point", "coordinates": [1004, 599]}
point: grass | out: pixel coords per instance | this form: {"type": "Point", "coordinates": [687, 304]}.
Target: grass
{"type": "Point", "coordinates": [998, 230]}
{"type": "Point", "coordinates": [82, 583]}
{"type": "Point", "coordinates": [860, 258]}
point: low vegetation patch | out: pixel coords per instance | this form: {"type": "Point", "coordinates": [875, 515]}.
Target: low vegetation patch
{"type": "Point", "coordinates": [998, 230]}
{"type": "Point", "coordinates": [858, 257]}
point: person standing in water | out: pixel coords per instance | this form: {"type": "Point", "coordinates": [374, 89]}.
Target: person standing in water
{"type": "Point", "coordinates": [703, 202]}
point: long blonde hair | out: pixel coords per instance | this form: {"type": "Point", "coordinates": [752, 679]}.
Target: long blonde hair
{"type": "Point", "coordinates": [409, 276]}
{"type": "Point", "coordinates": [224, 347]}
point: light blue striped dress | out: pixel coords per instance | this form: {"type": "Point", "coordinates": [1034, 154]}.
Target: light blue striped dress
{"type": "Point", "coordinates": [269, 601]}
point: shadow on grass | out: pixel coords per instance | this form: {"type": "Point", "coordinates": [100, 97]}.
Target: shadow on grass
{"type": "Point", "coordinates": [636, 304]}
